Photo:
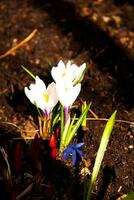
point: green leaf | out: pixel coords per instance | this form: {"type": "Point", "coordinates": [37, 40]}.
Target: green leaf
{"type": "Point", "coordinates": [30, 73]}
{"type": "Point", "coordinates": [55, 116]}
{"type": "Point", "coordinates": [70, 127]}
{"type": "Point", "coordinates": [62, 120]}
{"type": "Point", "coordinates": [100, 154]}
{"type": "Point", "coordinates": [84, 122]}
{"type": "Point", "coordinates": [130, 196]}
{"type": "Point", "coordinates": [81, 77]}
{"type": "Point", "coordinates": [63, 135]}
{"type": "Point", "coordinates": [77, 125]}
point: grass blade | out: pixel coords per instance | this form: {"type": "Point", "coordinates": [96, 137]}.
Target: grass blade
{"type": "Point", "coordinates": [130, 196]}
{"type": "Point", "coordinates": [63, 134]}
{"type": "Point", "coordinates": [100, 154]}
{"type": "Point", "coordinates": [30, 73]}
{"type": "Point", "coordinates": [77, 125]}
{"type": "Point", "coordinates": [62, 120]}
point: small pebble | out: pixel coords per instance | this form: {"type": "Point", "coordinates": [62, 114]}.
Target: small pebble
{"type": "Point", "coordinates": [131, 146]}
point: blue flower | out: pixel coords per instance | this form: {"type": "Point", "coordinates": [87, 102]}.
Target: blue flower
{"type": "Point", "coordinates": [73, 149]}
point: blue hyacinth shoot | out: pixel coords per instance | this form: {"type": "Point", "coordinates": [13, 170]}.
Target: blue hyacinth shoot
{"type": "Point", "coordinates": [74, 151]}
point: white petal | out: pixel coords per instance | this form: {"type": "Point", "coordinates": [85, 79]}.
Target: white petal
{"type": "Point", "coordinates": [57, 72]}
{"type": "Point", "coordinates": [79, 73]}
{"type": "Point", "coordinates": [82, 68]}
{"type": "Point", "coordinates": [68, 65]}
{"type": "Point", "coordinates": [29, 94]}
{"type": "Point", "coordinates": [74, 93]}
{"type": "Point", "coordinates": [35, 93]}
{"type": "Point", "coordinates": [40, 84]}
{"type": "Point", "coordinates": [32, 86]}
{"type": "Point", "coordinates": [61, 65]}
{"type": "Point", "coordinates": [69, 95]}
{"type": "Point", "coordinates": [53, 97]}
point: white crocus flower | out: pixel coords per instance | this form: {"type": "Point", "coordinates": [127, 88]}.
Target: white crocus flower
{"type": "Point", "coordinates": [77, 72]}
{"type": "Point", "coordinates": [44, 98]}
{"type": "Point", "coordinates": [67, 93]}
{"type": "Point", "coordinates": [68, 73]}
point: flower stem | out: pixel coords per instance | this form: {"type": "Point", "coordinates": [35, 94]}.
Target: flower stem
{"type": "Point", "coordinates": [66, 111]}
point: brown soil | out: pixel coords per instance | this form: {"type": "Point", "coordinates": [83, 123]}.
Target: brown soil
{"type": "Point", "coordinates": [98, 32]}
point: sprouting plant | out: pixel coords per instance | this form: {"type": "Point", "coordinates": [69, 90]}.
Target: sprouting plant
{"type": "Point", "coordinates": [54, 103]}
{"type": "Point", "coordinates": [71, 128]}
{"type": "Point", "coordinates": [44, 99]}
{"type": "Point", "coordinates": [68, 78]}
{"type": "Point", "coordinates": [65, 89]}
{"type": "Point", "coordinates": [100, 154]}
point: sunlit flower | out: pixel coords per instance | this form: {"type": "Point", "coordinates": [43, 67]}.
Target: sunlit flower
{"type": "Point", "coordinates": [68, 73]}
{"type": "Point", "coordinates": [67, 93]}
{"type": "Point", "coordinates": [73, 149]}
{"type": "Point", "coordinates": [44, 98]}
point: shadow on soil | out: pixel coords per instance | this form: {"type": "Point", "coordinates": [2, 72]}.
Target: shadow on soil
{"type": "Point", "coordinates": [108, 174]}
{"type": "Point", "coordinates": [108, 56]}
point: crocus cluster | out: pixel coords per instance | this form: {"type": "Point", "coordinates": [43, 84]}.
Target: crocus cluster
{"type": "Point", "coordinates": [65, 88]}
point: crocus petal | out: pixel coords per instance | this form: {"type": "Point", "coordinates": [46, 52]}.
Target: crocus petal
{"type": "Point", "coordinates": [74, 94]}
{"type": "Point", "coordinates": [73, 149]}
{"type": "Point", "coordinates": [51, 99]}
{"type": "Point", "coordinates": [35, 90]}
{"type": "Point", "coordinates": [67, 73]}
{"type": "Point", "coordinates": [51, 89]}
{"type": "Point", "coordinates": [40, 84]}
{"type": "Point", "coordinates": [74, 157]}
{"type": "Point", "coordinates": [67, 94]}
{"type": "Point", "coordinates": [80, 70]}
{"type": "Point", "coordinates": [57, 72]}
{"type": "Point", "coordinates": [66, 153]}
{"type": "Point", "coordinates": [28, 94]}
{"type": "Point", "coordinates": [79, 152]}
{"type": "Point", "coordinates": [61, 65]}
{"type": "Point", "coordinates": [44, 98]}
{"type": "Point", "coordinates": [79, 144]}
{"type": "Point", "coordinates": [75, 71]}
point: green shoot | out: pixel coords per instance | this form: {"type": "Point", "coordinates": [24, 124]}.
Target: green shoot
{"type": "Point", "coordinates": [84, 123]}
{"type": "Point", "coordinates": [130, 196]}
{"type": "Point", "coordinates": [73, 131]}
{"type": "Point", "coordinates": [30, 73]}
{"type": "Point", "coordinates": [100, 154]}
{"type": "Point", "coordinates": [64, 133]}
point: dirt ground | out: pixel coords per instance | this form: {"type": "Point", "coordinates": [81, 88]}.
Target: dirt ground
{"type": "Point", "coordinates": [98, 32]}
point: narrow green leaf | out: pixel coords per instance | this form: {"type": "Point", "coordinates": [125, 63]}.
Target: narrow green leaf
{"type": "Point", "coordinates": [81, 77]}
{"type": "Point", "coordinates": [130, 196]}
{"type": "Point", "coordinates": [30, 73]}
{"type": "Point", "coordinates": [77, 125]}
{"type": "Point", "coordinates": [100, 154]}
{"type": "Point", "coordinates": [69, 129]}
{"type": "Point", "coordinates": [63, 135]}
{"type": "Point", "coordinates": [55, 120]}
{"type": "Point", "coordinates": [84, 122]}
{"type": "Point", "coordinates": [56, 113]}
{"type": "Point", "coordinates": [62, 119]}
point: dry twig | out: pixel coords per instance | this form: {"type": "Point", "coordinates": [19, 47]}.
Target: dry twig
{"type": "Point", "coordinates": [29, 37]}
{"type": "Point", "coordinates": [25, 192]}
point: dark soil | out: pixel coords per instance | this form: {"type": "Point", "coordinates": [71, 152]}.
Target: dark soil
{"type": "Point", "coordinates": [99, 32]}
